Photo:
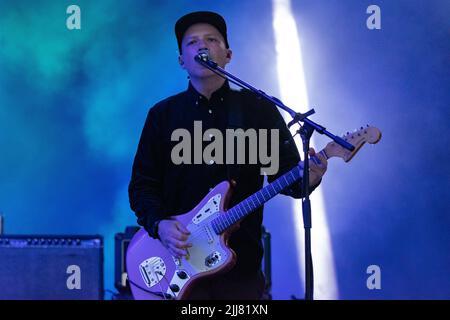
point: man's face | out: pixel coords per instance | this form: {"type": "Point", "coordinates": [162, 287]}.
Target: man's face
{"type": "Point", "coordinates": [198, 36]}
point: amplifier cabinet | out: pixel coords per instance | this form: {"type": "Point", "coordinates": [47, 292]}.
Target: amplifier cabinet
{"type": "Point", "coordinates": [56, 267]}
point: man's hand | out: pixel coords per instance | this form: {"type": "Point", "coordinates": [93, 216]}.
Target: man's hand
{"type": "Point", "coordinates": [174, 237]}
{"type": "Point", "coordinates": [317, 167]}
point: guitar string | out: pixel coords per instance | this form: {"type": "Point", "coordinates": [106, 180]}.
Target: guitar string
{"type": "Point", "coordinates": [201, 231]}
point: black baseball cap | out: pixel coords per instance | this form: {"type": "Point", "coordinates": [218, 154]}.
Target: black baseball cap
{"type": "Point", "coordinates": [212, 18]}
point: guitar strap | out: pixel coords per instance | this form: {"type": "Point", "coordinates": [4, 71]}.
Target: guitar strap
{"type": "Point", "coordinates": [235, 121]}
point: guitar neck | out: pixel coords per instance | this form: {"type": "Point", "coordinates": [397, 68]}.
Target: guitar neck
{"type": "Point", "coordinates": [357, 138]}
{"type": "Point", "coordinates": [250, 204]}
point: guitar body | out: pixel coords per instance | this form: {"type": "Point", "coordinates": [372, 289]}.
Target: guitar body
{"type": "Point", "coordinates": [154, 274]}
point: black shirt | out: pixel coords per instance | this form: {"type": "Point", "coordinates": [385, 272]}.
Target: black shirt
{"type": "Point", "coordinates": [159, 188]}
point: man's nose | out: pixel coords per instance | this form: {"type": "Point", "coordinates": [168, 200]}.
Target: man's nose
{"type": "Point", "coordinates": [201, 44]}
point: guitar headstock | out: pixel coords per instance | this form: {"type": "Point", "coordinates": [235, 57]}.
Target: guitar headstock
{"type": "Point", "coordinates": [357, 138]}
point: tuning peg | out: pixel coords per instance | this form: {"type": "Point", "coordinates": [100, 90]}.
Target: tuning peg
{"type": "Point", "coordinates": [362, 128]}
{"type": "Point", "coordinates": [367, 126]}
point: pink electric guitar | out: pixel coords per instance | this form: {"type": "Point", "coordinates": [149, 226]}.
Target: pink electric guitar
{"type": "Point", "coordinates": [154, 274]}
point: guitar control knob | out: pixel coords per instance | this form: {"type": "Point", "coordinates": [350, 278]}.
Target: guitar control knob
{"type": "Point", "coordinates": [174, 288]}
{"type": "Point", "coordinates": [182, 274]}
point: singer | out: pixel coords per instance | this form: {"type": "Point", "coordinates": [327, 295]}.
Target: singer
{"type": "Point", "coordinates": [160, 189]}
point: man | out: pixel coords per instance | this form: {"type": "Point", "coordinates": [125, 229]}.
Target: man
{"type": "Point", "coordinates": [160, 189]}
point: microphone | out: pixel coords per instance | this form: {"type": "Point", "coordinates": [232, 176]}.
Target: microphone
{"type": "Point", "coordinates": [203, 58]}
{"type": "Point", "coordinates": [203, 55]}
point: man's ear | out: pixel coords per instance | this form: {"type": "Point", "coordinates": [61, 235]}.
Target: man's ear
{"type": "Point", "coordinates": [229, 55]}
{"type": "Point", "coordinates": [180, 61]}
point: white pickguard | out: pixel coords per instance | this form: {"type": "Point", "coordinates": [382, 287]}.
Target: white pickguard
{"type": "Point", "coordinates": [210, 208]}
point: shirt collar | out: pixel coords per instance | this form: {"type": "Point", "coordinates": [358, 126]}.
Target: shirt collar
{"type": "Point", "coordinates": [195, 96]}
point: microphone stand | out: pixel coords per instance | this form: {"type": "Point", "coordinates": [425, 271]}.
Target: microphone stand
{"type": "Point", "coordinates": [306, 130]}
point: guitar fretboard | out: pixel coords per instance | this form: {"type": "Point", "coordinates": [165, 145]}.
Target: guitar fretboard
{"type": "Point", "coordinates": [250, 204]}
